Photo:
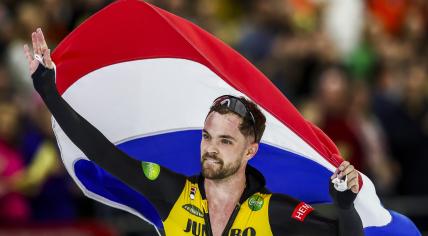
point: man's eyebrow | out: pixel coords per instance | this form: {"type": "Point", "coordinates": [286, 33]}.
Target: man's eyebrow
{"type": "Point", "coordinates": [227, 137]}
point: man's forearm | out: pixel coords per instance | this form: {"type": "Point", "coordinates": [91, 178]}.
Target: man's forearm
{"type": "Point", "coordinates": [350, 222]}
{"type": "Point", "coordinates": [85, 136]}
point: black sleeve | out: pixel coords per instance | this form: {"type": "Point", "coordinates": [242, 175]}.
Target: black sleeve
{"type": "Point", "coordinates": [160, 185]}
{"type": "Point", "coordinates": [288, 216]}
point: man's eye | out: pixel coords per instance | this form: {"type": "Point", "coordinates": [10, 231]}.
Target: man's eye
{"type": "Point", "coordinates": [226, 141]}
{"type": "Point", "coordinates": [205, 136]}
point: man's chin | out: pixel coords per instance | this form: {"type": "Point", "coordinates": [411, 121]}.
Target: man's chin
{"type": "Point", "coordinates": [216, 171]}
{"type": "Point", "coordinates": [211, 173]}
{"type": "Point", "coordinates": [212, 176]}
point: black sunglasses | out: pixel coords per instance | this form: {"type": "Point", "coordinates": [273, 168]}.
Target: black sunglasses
{"type": "Point", "coordinates": [236, 105]}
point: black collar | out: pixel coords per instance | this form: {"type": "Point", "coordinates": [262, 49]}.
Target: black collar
{"type": "Point", "coordinates": [255, 182]}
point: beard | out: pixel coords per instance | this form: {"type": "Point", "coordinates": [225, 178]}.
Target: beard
{"type": "Point", "coordinates": [214, 167]}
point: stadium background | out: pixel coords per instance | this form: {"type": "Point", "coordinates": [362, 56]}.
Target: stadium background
{"type": "Point", "coordinates": [357, 69]}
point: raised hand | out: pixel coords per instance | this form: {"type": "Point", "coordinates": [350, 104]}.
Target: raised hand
{"type": "Point", "coordinates": [41, 52]}
{"type": "Point", "coordinates": [346, 169]}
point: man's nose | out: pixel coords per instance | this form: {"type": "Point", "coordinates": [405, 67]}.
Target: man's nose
{"type": "Point", "coordinates": [211, 147]}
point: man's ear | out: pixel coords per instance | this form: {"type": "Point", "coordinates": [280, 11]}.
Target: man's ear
{"type": "Point", "coordinates": [251, 151]}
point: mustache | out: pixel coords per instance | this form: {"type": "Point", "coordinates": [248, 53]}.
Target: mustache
{"type": "Point", "coordinates": [212, 156]}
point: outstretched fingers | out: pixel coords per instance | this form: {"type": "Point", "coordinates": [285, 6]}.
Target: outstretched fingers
{"type": "Point", "coordinates": [32, 63]}
{"type": "Point", "coordinates": [34, 40]}
{"type": "Point", "coordinates": [47, 58]}
{"type": "Point", "coordinates": [41, 42]}
{"type": "Point", "coordinates": [44, 49]}
{"type": "Point", "coordinates": [41, 52]}
{"type": "Point", "coordinates": [28, 54]}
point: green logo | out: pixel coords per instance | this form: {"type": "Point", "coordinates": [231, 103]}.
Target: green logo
{"type": "Point", "coordinates": [255, 202]}
{"type": "Point", "coordinates": [193, 210]}
{"type": "Point", "coordinates": [151, 170]}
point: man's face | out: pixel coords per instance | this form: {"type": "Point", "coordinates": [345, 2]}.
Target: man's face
{"type": "Point", "coordinates": [224, 149]}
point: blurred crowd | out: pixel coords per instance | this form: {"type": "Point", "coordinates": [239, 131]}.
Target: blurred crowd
{"type": "Point", "coordinates": [34, 185]}
{"type": "Point", "coordinates": [356, 68]}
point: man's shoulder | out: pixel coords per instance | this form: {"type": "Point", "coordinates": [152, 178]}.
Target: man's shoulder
{"type": "Point", "coordinates": [281, 197]}
{"type": "Point", "coordinates": [286, 203]}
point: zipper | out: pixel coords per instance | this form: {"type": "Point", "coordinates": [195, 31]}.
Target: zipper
{"type": "Point", "coordinates": [208, 224]}
{"type": "Point", "coordinates": [231, 220]}
{"type": "Point", "coordinates": [228, 225]}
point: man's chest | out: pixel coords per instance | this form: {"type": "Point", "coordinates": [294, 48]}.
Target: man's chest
{"type": "Point", "coordinates": [190, 216]}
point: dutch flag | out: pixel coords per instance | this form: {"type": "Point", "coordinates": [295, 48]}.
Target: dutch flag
{"type": "Point", "coordinates": [146, 79]}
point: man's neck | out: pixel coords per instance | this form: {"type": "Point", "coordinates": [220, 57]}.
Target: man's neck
{"type": "Point", "coordinates": [227, 190]}
{"type": "Point", "coordinates": [223, 196]}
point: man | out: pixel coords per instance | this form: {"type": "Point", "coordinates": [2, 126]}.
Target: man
{"type": "Point", "coordinates": [229, 196]}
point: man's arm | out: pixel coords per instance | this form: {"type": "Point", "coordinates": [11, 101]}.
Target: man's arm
{"type": "Point", "coordinates": [287, 215]}
{"type": "Point", "coordinates": [160, 185]}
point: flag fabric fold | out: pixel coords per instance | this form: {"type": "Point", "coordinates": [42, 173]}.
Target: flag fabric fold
{"type": "Point", "coordinates": [146, 79]}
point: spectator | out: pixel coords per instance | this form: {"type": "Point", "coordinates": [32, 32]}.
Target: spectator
{"type": "Point", "coordinates": [13, 205]}
{"type": "Point", "coordinates": [378, 165]}
{"type": "Point", "coordinates": [45, 181]}
{"type": "Point", "coordinates": [405, 122]}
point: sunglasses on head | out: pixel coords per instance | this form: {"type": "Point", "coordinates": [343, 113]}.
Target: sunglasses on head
{"type": "Point", "coordinates": [236, 105]}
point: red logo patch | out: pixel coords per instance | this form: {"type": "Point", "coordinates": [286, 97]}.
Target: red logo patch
{"type": "Point", "coordinates": [301, 211]}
